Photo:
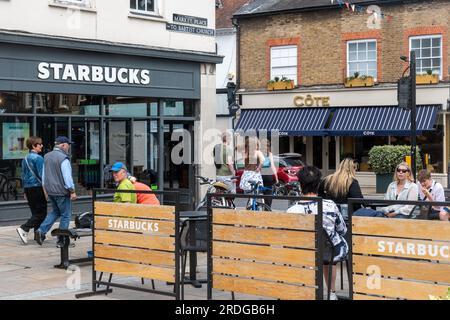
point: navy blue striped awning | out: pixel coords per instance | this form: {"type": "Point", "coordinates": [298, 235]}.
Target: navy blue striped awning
{"type": "Point", "coordinates": [381, 121]}
{"type": "Point", "coordinates": [288, 121]}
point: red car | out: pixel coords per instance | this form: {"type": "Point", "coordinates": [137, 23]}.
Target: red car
{"type": "Point", "coordinates": [288, 165]}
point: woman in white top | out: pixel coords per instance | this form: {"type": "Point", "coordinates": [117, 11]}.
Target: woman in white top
{"type": "Point", "coordinates": [402, 188]}
{"type": "Point", "coordinates": [253, 159]}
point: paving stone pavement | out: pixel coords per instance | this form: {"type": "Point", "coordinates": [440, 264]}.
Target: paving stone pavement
{"type": "Point", "coordinates": [27, 272]}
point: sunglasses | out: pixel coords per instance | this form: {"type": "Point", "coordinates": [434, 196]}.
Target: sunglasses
{"type": "Point", "coordinates": [403, 170]}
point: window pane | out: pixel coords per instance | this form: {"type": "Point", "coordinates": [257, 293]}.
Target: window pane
{"type": "Point", "coordinates": [362, 66]}
{"type": "Point", "coordinates": [436, 42]}
{"type": "Point", "coordinates": [436, 62]}
{"type": "Point", "coordinates": [426, 53]}
{"type": "Point", "coordinates": [132, 4]}
{"type": "Point", "coordinates": [417, 51]}
{"type": "Point", "coordinates": [436, 52]}
{"type": "Point", "coordinates": [372, 65]}
{"type": "Point", "coordinates": [372, 73]}
{"type": "Point", "coordinates": [150, 5]}
{"type": "Point", "coordinates": [362, 55]}
{"type": "Point", "coordinates": [426, 43]}
{"type": "Point", "coordinates": [426, 64]}
{"type": "Point", "coordinates": [362, 46]}
{"type": "Point", "coordinates": [415, 43]}
{"type": "Point", "coordinates": [352, 47]}
{"type": "Point", "coordinates": [372, 45]}
{"type": "Point", "coordinates": [352, 56]}
{"type": "Point", "coordinates": [141, 5]}
{"type": "Point", "coordinates": [372, 55]}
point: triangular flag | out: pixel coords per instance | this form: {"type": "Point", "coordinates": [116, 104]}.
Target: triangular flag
{"type": "Point", "coordinates": [348, 5]}
{"type": "Point", "coordinates": [353, 7]}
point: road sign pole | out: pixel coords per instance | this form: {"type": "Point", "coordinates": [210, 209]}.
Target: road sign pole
{"type": "Point", "coordinates": [412, 74]}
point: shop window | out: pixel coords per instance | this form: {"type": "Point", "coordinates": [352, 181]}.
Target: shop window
{"type": "Point", "coordinates": [362, 146]}
{"type": "Point", "coordinates": [143, 6]}
{"type": "Point", "coordinates": [428, 51]}
{"type": "Point", "coordinates": [15, 102]}
{"type": "Point", "coordinates": [178, 108]}
{"type": "Point", "coordinates": [283, 62]}
{"type": "Point", "coordinates": [362, 58]}
{"type": "Point", "coordinates": [131, 107]}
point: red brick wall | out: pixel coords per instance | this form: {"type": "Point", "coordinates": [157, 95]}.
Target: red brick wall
{"type": "Point", "coordinates": [224, 15]}
{"type": "Point", "coordinates": [323, 37]}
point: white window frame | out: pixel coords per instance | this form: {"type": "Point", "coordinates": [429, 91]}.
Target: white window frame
{"type": "Point", "coordinates": [290, 46]}
{"type": "Point", "coordinates": [367, 61]}
{"type": "Point", "coordinates": [146, 12]}
{"type": "Point", "coordinates": [82, 3]}
{"type": "Point", "coordinates": [430, 36]}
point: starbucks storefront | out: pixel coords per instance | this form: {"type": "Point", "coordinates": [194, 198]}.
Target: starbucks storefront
{"type": "Point", "coordinates": [116, 103]}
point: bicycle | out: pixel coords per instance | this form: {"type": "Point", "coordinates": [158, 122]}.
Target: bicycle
{"type": "Point", "coordinates": [253, 204]}
{"type": "Point", "coordinates": [9, 186]}
{"type": "Point", "coordinates": [215, 186]}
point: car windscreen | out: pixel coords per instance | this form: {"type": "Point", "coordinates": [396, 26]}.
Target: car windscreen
{"type": "Point", "coordinates": [294, 162]}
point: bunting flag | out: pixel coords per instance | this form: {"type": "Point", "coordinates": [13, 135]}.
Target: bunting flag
{"type": "Point", "coordinates": [362, 9]}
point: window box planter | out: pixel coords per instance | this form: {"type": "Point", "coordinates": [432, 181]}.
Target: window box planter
{"type": "Point", "coordinates": [359, 82]}
{"type": "Point", "coordinates": [427, 79]}
{"type": "Point", "coordinates": [281, 85]}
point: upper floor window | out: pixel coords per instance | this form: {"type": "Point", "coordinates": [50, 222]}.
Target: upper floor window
{"type": "Point", "coordinates": [143, 6]}
{"type": "Point", "coordinates": [428, 51]}
{"type": "Point", "coordinates": [362, 58]}
{"type": "Point", "coordinates": [78, 2]}
{"type": "Point", "coordinates": [283, 62]}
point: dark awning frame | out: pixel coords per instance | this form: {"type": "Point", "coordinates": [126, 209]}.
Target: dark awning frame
{"type": "Point", "coordinates": [345, 121]}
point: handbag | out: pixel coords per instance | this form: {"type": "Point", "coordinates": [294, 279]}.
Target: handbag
{"type": "Point", "coordinates": [249, 176]}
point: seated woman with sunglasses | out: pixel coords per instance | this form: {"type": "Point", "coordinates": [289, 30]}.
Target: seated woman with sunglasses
{"type": "Point", "coordinates": [402, 188]}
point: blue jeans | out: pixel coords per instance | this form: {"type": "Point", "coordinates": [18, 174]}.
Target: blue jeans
{"type": "Point", "coordinates": [62, 208]}
{"type": "Point", "coordinates": [367, 212]}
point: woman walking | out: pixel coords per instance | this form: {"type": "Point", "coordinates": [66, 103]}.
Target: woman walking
{"type": "Point", "coordinates": [268, 170]}
{"type": "Point", "coordinates": [32, 166]}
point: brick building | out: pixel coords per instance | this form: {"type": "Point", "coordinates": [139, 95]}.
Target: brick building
{"type": "Point", "coordinates": [318, 45]}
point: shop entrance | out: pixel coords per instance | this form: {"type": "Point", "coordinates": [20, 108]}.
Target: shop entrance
{"type": "Point", "coordinates": [179, 159]}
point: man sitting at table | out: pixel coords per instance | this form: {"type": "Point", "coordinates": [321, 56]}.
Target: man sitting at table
{"type": "Point", "coordinates": [430, 190]}
{"type": "Point", "coordinates": [120, 175]}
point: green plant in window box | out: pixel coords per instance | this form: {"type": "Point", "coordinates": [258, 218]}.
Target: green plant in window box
{"type": "Point", "coordinates": [384, 159]}
{"type": "Point", "coordinates": [428, 78]}
{"type": "Point", "coordinates": [357, 81]}
{"type": "Point", "coordinates": [280, 84]}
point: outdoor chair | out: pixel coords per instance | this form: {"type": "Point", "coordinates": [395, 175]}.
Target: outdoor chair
{"type": "Point", "coordinates": [194, 234]}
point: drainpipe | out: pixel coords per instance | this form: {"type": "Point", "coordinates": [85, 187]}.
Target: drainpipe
{"type": "Point", "coordinates": [235, 23]}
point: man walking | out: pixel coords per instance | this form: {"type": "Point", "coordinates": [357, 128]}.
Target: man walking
{"type": "Point", "coordinates": [58, 183]}
{"type": "Point", "coordinates": [120, 175]}
{"type": "Point", "coordinates": [32, 167]}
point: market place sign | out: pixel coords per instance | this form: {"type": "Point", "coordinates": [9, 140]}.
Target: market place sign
{"type": "Point", "coordinates": [190, 24]}
{"type": "Point", "coordinates": [311, 101]}
{"type": "Point", "coordinates": [87, 73]}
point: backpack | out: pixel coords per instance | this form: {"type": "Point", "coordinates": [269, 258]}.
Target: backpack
{"type": "Point", "coordinates": [217, 159]}
{"type": "Point", "coordinates": [84, 220]}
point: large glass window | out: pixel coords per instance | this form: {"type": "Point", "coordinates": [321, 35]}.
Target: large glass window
{"type": "Point", "coordinates": [362, 146]}
{"type": "Point", "coordinates": [428, 51]}
{"type": "Point", "coordinates": [16, 102]}
{"type": "Point", "coordinates": [362, 58]}
{"type": "Point", "coordinates": [131, 107]}
{"type": "Point", "coordinates": [283, 62]}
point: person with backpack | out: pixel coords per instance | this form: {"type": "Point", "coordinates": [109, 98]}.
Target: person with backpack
{"type": "Point", "coordinates": [32, 166]}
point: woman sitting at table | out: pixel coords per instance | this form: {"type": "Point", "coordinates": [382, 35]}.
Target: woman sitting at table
{"type": "Point", "coordinates": [402, 188]}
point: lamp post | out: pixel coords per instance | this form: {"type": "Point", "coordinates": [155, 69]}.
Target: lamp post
{"type": "Point", "coordinates": [411, 105]}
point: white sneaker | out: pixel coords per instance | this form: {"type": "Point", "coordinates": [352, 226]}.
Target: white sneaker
{"type": "Point", "coordinates": [333, 296]}
{"type": "Point", "coordinates": [23, 235]}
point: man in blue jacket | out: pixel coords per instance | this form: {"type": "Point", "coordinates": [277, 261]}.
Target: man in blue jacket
{"type": "Point", "coordinates": [58, 183]}
{"type": "Point", "coordinates": [32, 167]}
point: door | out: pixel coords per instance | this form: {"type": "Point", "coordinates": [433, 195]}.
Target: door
{"type": "Point", "coordinates": [178, 160]}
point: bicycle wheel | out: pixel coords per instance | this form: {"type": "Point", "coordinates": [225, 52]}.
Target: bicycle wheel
{"type": "Point", "coordinates": [3, 187]}
{"type": "Point", "coordinates": [259, 206]}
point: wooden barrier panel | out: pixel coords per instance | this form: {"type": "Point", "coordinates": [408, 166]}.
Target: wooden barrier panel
{"type": "Point", "coordinates": [271, 254]}
{"type": "Point", "coordinates": [135, 240]}
{"type": "Point", "coordinates": [400, 259]}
